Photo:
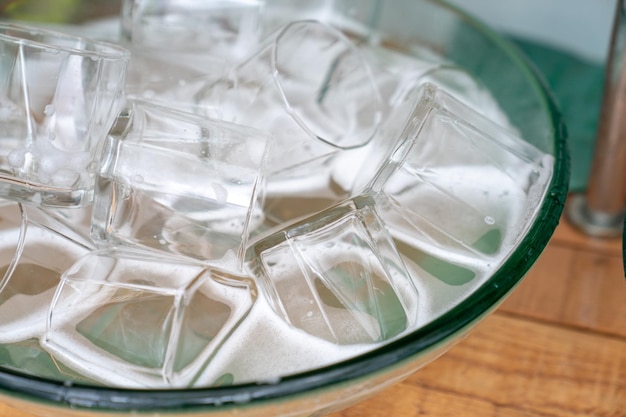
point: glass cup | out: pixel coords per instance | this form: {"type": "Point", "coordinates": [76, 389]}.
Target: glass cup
{"type": "Point", "coordinates": [59, 95]}
{"type": "Point", "coordinates": [337, 275]}
{"type": "Point", "coordinates": [180, 47]}
{"type": "Point", "coordinates": [179, 184]}
{"type": "Point", "coordinates": [432, 196]}
{"type": "Point", "coordinates": [192, 29]}
{"type": "Point", "coordinates": [399, 77]}
{"type": "Point", "coordinates": [142, 320]}
{"type": "Point", "coordinates": [310, 87]}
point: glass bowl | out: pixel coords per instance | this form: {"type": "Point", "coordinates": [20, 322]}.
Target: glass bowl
{"type": "Point", "coordinates": [522, 95]}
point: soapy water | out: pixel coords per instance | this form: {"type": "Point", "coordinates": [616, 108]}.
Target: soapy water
{"type": "Point", "coordinates": [264, 346]}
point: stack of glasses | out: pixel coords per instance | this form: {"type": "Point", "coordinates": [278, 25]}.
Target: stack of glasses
{"type": "Point", "coordinates": [166, 196]}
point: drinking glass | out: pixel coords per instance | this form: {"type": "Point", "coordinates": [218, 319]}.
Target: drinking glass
{"type": "Point", "coordinates": [311, 88]}
{"type": "Point", "coordinates": [337, 275]}
{"type": "Point", "coordinates": [59, 95]}
{"type": "Point", "coordinates": [179, 184]}
{"type": "Point", "coordinates": [192, 29]}
{"type": "Point", "coordinates": [433, 198]}
{"type": "Point", "coordinates": [143, 320]}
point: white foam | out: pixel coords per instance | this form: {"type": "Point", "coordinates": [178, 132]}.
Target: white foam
{"type": "Point", "coordinates": [266, 348]}
{"type": "Point", "coordinates": [23, 316]}
{"type": "Point", "coordinates": [53, 166]}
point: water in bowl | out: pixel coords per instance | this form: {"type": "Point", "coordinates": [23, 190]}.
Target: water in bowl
{"type": "Point", "coordinates": [466, 212]}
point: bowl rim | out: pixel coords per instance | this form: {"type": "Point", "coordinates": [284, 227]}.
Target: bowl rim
{"type": "Point", "coordinates": [456, 320]}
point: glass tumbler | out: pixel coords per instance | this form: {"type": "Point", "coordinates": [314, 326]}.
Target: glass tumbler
{"type": "Point", "coordinates": [59, 95]}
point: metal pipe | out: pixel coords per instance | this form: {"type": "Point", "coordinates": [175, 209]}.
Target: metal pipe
{"type": "Point", "coordinates": [600, 210]}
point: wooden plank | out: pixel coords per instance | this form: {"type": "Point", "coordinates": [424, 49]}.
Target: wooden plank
{"type": "Point", "coordinates": [568, 235]}
{"type": "Point", "coordinates": [5, 411]}
{"type": "Point", "coordinates": [543, 369]}
{"type": "Point", "coordinates": [542, 292]}
{"type": "Point", "coordinates": [510, 366]}
{"type": "Point", "coordinates": [406, 400]}
{"type": "Point", "coordinates": [596, 297]}
{"type": "Point", "coordinates": [575, 288]}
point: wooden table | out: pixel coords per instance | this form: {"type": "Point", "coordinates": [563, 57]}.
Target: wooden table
{"type": "Point", "coordinates": [555, 348]}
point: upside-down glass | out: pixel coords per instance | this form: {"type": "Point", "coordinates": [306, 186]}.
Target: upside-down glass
{"type": "Point", "coordinates": [318, 77]}
{"type": "Point", "coordinates": [310, 87]}
{"type": "Point", "coordinates": [59, 95]}
{"type": "Point", "coordinates": [144, 320]}
{"type": "Point", "coordinates": [400, 80]}
{"type": "Point", "coordinates": [178, 184]}
{"type": "Point", "coordinates": [179, 46]}
{"type": "Point", "coordinates": [337, 275]}
{"type": "Point", "coordinates": [431, 188]}
{"type": "Point", "coordinates": [407, 26]}
{"type": "Point", "coordinates": [192, 29]}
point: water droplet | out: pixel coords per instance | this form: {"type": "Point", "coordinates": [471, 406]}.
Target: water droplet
{"type": "Point", "coordinates": [221, 194]}
{"type": "Point", "coordinates": [48, 165]}
{"type": "Point", "coordinates": [489, 220]}
{"type": "Point", "coordinates": [138, 179]}
{"type": "Point", "coordinates": [65, 177]}
{"type": "Point", "coordinates": [17, 158]}
{"type": "Point", "coordinates": [49, 110]}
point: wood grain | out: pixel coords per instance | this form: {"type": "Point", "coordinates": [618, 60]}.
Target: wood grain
{"type": "Point", "coordinates": [555, 348]}
{"type": "Point", "coordinates": [510, 366]}
{"type": "Point", "coordinates": [574, 287]}
{"type": "Point", "coordinates": [569, 236]}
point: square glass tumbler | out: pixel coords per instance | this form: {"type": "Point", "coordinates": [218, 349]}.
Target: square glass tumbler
{"type": "Point", "coordinates": [59, 95]}
{"type": "Point", "coordinates": [143, 320]}
{"type": "Point", "coordinates": [337, 275]}
{"type": "Point", "coordinates": [179, 184]}
{"type": "Point", "coordinates": [457, 183]}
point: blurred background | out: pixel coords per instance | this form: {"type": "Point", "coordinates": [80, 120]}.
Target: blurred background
{"type": "Point", "coordinates": [568, 41]}
{"type": "Point", "coordinates": [57, 11]}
